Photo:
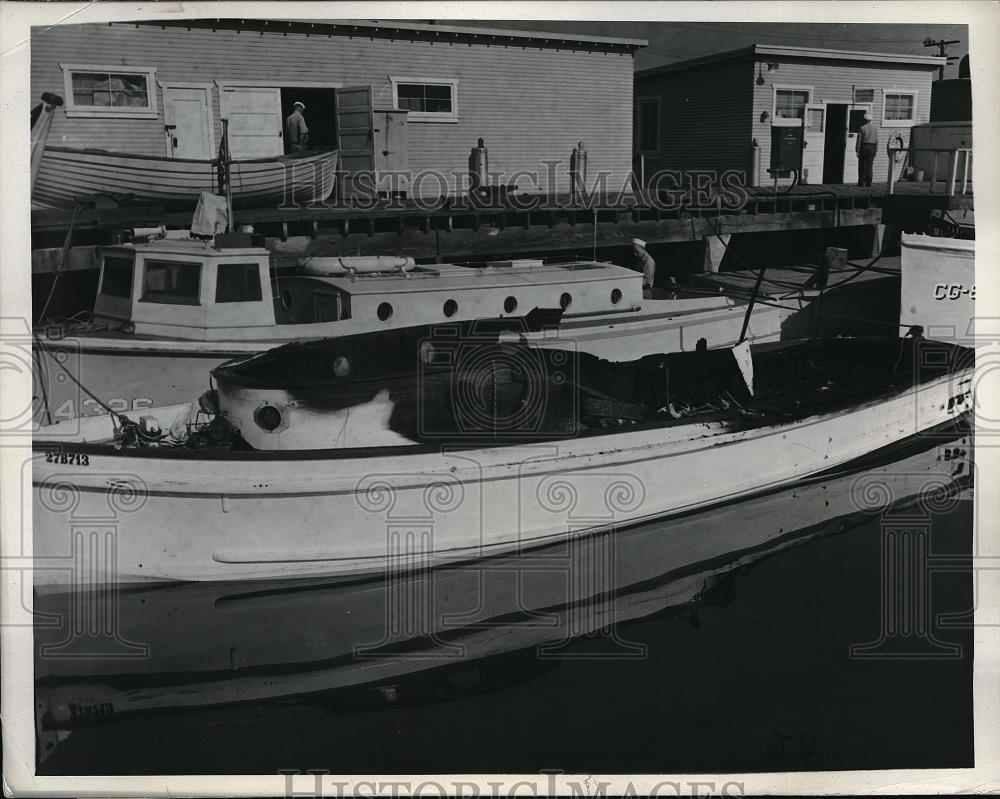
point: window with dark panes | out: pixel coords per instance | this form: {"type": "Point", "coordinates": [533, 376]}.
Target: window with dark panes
{"type": "Point", "coordinates": [649, 125]}
{"type": "Point", "coordinates": [814, 121]}
{"type": "Point", "coordinates": [898, 106]}
{"type": "Point", "coordinates": [790, 103]}
{"type": "Point", "coordinates": [429, 97]}
{"type": "Point", "coordinates": [172, 282]}
{"type": "Point", "coordinates": [238, 283]}
{"type": "Point", "coordinates": [116, 280]}
{"type": "Point", "coordinates": [110, 90]}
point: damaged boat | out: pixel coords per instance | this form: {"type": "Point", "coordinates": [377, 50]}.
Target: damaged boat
{"type": "Point", "coordinates": [169, 309]}
{"type": "Point", "coordinates": [440, 444]}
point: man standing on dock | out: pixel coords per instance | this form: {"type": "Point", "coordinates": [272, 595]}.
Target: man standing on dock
{"type": "Point", "coordinates": [866, 147]}
{"type": "Point", "coordinates": [296, 130]}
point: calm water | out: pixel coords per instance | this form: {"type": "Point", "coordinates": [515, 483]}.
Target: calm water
{"type": "Point", "coordinates": [738, 664]}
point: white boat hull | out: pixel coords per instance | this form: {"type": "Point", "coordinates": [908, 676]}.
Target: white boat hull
{"type": "Point", "coordinates": [938, 286]}
{"type": "Point", "coordinates": [267, 515]}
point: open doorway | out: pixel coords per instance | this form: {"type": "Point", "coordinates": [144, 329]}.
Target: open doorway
{"type": "Point", "coordinates": [835, 142]}
{"type": "Point", "coordinates": [319, 114]}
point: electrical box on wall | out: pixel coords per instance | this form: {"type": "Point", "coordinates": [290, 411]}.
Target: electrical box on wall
{"type": "Point", "coordinates": [786, 148]}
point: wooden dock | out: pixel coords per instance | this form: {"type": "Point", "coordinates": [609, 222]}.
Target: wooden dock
{"type": "Point", "coordinates": [455, 228]}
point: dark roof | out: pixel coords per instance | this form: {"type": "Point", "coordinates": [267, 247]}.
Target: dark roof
{"type": "Point", "coordinates": [772, 50]}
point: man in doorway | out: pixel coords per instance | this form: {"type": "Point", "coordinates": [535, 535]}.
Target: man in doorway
{"type": "Point", "coordinates": [867, 146]}
{"type": "Point", "coordinates": [643, 263]}
{"type": "Point", "coordinates": [296, 130]}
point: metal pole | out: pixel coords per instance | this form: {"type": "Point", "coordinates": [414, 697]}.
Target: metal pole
{"type": "Point", "coordinates": [753, 299]}
{"type": "Point", "coordinates": [229, 176]}
{"type": "Point", "coordinates": [954, 173]}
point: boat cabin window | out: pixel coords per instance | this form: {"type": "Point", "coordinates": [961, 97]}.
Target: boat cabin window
{"type": "Point", "coordinates": [306, 300]}
{"type": "Point", "coordinates": [238, 283]}
{"type": "Point", "coordinates": [172, 283]}
{"type": "Point", "coordinates": [331, 307]}
{"type": "Point", "coordinates": [116, 280]}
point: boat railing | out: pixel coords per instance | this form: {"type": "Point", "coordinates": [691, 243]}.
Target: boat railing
{"type": "Point", "coordinates": [955, 180]}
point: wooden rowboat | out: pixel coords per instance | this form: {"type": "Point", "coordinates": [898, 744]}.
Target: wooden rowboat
{"type": "Point", "coordinates": [67, 175]}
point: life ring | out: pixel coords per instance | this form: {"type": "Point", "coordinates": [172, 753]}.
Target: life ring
{"type": "Point", "coordinates": [895, 148]}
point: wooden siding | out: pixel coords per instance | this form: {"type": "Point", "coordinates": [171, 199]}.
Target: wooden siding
{"type": "Point", "coordinates": [531, 104]}
{"type": "Point", "coordinates": [831, 82]}
{"type": "Point", "coordinates": [711, 113]}
{"type": "Point", "coordinates": [704, 117]}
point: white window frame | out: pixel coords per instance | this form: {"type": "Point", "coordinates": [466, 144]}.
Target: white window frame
{"type": "Point", "coordinates": [639, 102]}
{"type": "Point", "coordinates": [787, 122]}
{"type": "Point", "coordinates": [427, 116]}
{"type": "Point", "coordinates": [899, 123]}
{"type": "Point", "coordinates": [110, 111]}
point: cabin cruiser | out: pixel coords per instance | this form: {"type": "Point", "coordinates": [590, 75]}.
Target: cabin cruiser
{"type": "Point", "coordinates": [170, 309]}
{"type": "Point", "coordinates": [444, 443]}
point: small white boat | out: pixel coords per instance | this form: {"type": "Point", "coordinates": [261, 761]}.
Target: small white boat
{"type": "Point", "coordinates": [169, 310]}
{"type": "Point", "coordinates": [445, 447]}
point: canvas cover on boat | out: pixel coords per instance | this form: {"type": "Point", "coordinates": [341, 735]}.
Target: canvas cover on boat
{"type": "Point", "coordinates": [211, 216]}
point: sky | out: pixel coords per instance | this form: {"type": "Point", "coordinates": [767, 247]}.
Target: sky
{"type": "Point", "coordinates": [678, 41]}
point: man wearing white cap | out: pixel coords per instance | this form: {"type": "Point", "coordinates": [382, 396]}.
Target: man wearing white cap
{"type": "Point", "coordinates": [644, 263]}
{"type": "Point", "coordinates": [296, 130]}
{"type": "Point", "coordinates": [866, 148]}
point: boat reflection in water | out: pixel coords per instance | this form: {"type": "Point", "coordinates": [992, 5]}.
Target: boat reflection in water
{"type": "Point", "coordinates": [175, 647]}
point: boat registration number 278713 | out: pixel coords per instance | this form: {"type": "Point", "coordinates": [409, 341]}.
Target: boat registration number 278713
{"type": "Point", "coordinates": [67, 458]}
{"type": "Point", "coordinates": [953, 291]}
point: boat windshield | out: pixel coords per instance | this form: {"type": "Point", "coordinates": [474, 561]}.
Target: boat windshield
{"type": "Point", "coordinates": [171, 282]}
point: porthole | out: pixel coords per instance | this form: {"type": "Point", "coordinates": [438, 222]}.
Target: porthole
{"type": "Point", "coordinates": [384, 311]}
{"type": "Point", "coordinates": [341, 366]}
{"type": "Point", "coordinates": [616, 296]}
{"type": "Point", "coordinates": [510, 304]}
{"type": "Point", "coordinates": [450, 308]}
{"type": "Point", "coordinates": [286, 299]}
{"type": "Point", "coordinates": [267, 417]}
{"type": "Point", "coordinates": [565, 300]}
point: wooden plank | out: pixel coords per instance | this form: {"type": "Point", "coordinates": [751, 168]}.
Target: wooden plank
{"type": "Point", "coordinates": [468, 243]}
{"type": "Point", "coordinates": [46, 261]}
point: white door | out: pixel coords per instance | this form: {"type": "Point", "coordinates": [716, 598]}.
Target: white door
{"type": "Point", "coordinates": [814, 140]}
{"type": "Point", "coordinates": [187, 115]}
{"type": "Point", "coordinates": [855, 118]}
{"type": "Point", "coordinates": [255, 123]}
{"type": "Point", "coordinates": [355, 136]}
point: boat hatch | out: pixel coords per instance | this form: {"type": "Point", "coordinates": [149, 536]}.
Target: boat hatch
{"type": "Point", "coordinates": [184, 289]}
